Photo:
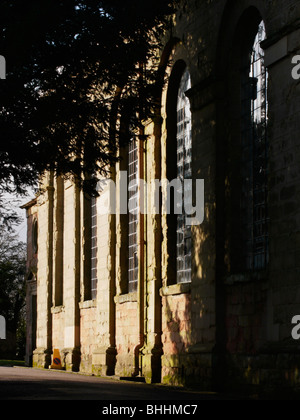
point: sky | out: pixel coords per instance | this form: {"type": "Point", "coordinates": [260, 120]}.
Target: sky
{"type": "Point", "coordinates": [21, 229]}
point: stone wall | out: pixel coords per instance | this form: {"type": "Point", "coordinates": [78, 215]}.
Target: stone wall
{"type": "Point", "coordinates": [88, 328]}
{"type": "Point", "coordinates": [127, 337]}
{"type": "Point", "coordinates": [176, 335]}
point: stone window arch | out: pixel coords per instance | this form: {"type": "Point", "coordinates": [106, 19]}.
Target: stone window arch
{"type": "Point", "coordinates": [178, 161]}
{"type": "Point", "coordinates": [243, 149]}
{"type": "Point", "coordinates": [254, 156]}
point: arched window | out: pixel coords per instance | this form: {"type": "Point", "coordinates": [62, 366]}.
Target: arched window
{"type": "Point", "coordinates": [178, 167]}
{"type": "Point", "coordinates": [90, 247]}
{"type": "Point", "coordinates": [133, 217]}
{"type": "Point", "coordinates": [59, 220]}
{"type": "Point", "coordinates": [94, 248]}
{"type": "Point", "coordinates": [184, 171]}
{"type": "Point", "coordinates": [254, 155]}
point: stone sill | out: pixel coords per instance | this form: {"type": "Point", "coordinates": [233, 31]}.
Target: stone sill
{"type": "Point", "coordinates": [255, 276]}
{"type": "Point", "coordinates": [175, 289]}
{"type": "Point", "coordinates": [57, 309]}
{"type": "Point", "coordinates": [201, 348]}
{"type": "Point", "coordinates": [128, 297]}
{"type": "Point", "coordinates": [88, 304]}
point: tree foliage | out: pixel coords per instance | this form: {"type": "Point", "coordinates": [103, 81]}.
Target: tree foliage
{"type": "Point", "coordinates": [8, 215]}
{"type": "Point", "coordinates": [12, 278]}
{"type": "Point", "coordinates": [73, 68]}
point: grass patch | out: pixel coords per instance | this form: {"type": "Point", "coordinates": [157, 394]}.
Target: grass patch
{"type": "Point", "coordinates": [8, 363]}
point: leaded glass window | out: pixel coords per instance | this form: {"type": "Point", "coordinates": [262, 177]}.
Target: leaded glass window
{"type": "Point", "coordinates": [184, 171]}
{"type": "Point", "coordinates": [94, 247]}
{"type": "Point", "coordinates": [133, 216]}
{"type": "Point", "coordinates": [254, 214]}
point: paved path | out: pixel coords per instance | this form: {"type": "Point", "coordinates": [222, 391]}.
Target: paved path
{"type": "Point", "coordinates": [35, 384]}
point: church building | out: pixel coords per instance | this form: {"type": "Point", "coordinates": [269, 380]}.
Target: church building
{"type": "Point", "coordinates": [171, 296]}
